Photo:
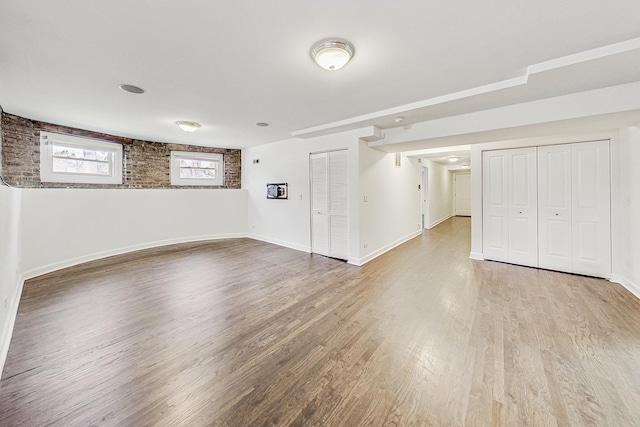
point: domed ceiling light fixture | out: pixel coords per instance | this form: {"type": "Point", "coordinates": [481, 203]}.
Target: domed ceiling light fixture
{"type": "Point", "coordinates": [332, 54]}
{"type": "Point", "coordinates": [188, 126]}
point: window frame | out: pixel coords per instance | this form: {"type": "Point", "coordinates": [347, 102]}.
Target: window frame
{"type": "Point", "coordinates": [176, 156]}
{"type": "Point", "coordinates": [47, 174]}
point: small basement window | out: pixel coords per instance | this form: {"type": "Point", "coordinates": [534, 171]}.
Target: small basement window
{"type": "Point", "coordinates": [73, 159]}
{"type": "Point", "coordinates": [190, 168]}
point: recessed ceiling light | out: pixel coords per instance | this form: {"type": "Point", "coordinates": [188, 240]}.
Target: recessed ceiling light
{"type": "Point", "coordinates": [262, 124]}
{"type": "Point", "coordinates": [188, 126]}
{"type": "Point", "coordinates": [453, 159]}
{"type": "Point", "coordinates": [465, 166]}
{"type": "Point", "coordinates": [399, 119]}
{"type": "Point", "coordinates": [136, 90]}
{"type": "Point", "coordinates": [332, 54]}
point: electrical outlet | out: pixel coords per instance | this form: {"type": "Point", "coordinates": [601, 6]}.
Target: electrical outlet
{"type": "Point", "coordinates": [366, 198]}
{"type": "Point", "coordinates": [366, 245]}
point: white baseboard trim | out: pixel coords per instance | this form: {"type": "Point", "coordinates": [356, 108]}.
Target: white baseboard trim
{"type": "Point", "coordinates": [477, 255]}
{"type": "Point", "coordinates": [283, 243]}
{"type": "Point", "coordinates": [628, 284]}
{"type": "Point", "coordinates": [387, 248]}
{"type": "Point", "coordinates": [119, 251]}
{"type": "Point", "coordinates": [433, 224]}
{"type": "Point", "coordinates": [10, 322]}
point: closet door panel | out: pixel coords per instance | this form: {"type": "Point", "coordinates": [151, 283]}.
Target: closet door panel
{"type": "Point", "coordinates": [338, 204]}
{"type": "Point", "coordinates": [319, 204]}
{"type": "Point", "coordinates": [495, 225]}
{"type": "Point", "coordinates": [591, 208]}
{"type": "Point", "coordinates": [554, 207]}
{"type": "Point", "coordinates": [523, 212]}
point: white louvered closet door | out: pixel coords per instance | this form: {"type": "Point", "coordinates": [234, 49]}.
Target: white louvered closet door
{"type": "Point", "coordinates": [319, 204]}
{"type": "Point", "coordinates": [330, 204]}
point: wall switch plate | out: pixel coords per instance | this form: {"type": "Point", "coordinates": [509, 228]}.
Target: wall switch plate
{"type": "Point", "coordinates": [366, 198]}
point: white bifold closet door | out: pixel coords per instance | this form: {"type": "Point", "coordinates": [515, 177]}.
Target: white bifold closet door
{"type": "Point", "coordinates": [510, 206]}
{"type": "Point", "coordinates": [330, 204]}
{"type": "Point", "coordinates": [574, 208]}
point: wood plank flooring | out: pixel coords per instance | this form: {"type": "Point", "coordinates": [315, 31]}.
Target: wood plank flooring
{"type": "Point", "coordinates": [244, 333]}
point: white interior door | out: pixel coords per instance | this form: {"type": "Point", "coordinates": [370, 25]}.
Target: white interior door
{"type": "Point", "coordinates": [462, 194]}
{"type": "Point", "coordinates": [319, 204]}
{"type": "Point", "coordinates": [338, 204]}
{"type": "Point", "coordinates": [523, 207]}
{"type": "Point", "coordinates": [330, 204]}
{"type": "Point", "coordinates": [554, 207]}
{"type": "Point", "coordinates": [510, 213]}
{"type": "Point", "coordinates": [591, 200]}
{"type": "Point", "coordinates": [495, 207]}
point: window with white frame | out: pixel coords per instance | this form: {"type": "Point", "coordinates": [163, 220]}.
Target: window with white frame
{"type": "Point", "coordinates": [73, 159]}
{"type": "Point", "coordinates": [190, 168]}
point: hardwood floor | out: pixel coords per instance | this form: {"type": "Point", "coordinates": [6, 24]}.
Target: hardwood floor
{"type": "Point", "coordinates": [243, 333]}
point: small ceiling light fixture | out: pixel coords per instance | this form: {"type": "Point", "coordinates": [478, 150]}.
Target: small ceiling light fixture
{"type": "Point", "coordinates": [399, 119]}
{"type": "Point", "coordinates": [332, 54]}
{"type": "Point", "coordinates": [262, 124]}
{"type": "Point", "coordinates": [188, 126]}
{"type": "Point", "coordinates": [465, 166]}
{"type": "Point", "coordinates": [453, 159]}
{"type": "Point", "coordinates": [136, 90]}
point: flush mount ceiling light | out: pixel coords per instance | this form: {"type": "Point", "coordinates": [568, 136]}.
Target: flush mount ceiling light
{"type": "Point", "coordinates": [465, 166]}
{"type": "Point", "coordinates": [399, 119]}
{"type": "Point", "coordinates": [188, 126]}
{"type": "Point", "coordinates": [136, 90]}
{"type": "Point", "coordinates": [453, 159]}
{"type": "Point", "coordinates": [332, 54]}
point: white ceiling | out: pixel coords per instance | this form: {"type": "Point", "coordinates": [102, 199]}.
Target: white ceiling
{"type": "Point", "coordinates": [228, 65]}
{"type": "Point", "coordinates": [443, 154]}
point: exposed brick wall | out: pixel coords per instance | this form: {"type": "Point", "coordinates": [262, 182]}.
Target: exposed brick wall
{"type": "Point", "coordinates": [146, 164]}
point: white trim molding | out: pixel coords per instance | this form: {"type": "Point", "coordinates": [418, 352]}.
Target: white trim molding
{"type": "Point", "coordinates": [382, 250]}
{"type": "Point", "coordinates": [627, 284]}
{"type": "Point", "coordinates": [7, 331]}
{"type": "Point", "coordinates": [433, 224]}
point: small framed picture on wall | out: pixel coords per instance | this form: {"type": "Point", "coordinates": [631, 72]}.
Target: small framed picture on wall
{"type": "Point", "coordinates": [278, 191]}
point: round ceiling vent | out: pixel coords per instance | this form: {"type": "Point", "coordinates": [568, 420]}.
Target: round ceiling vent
{"type": "Point", "coordinates": [132, 89]}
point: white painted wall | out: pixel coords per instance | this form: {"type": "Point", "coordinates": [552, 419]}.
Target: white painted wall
{"type": "Point", "coordinates": [625, 196]}
{"type": "Point", "coordinates": [288, 222]}
{"type": "Point", "coordinates": [63, 227]}
{"type": "Point", "coordinates": [625, 209]}
{"type": "Point", "coordinates": [10, 269]}
{"type": "Point", "coordinates": [439, 193]}
{"type": "Point", "coordinates": [391, 214]}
